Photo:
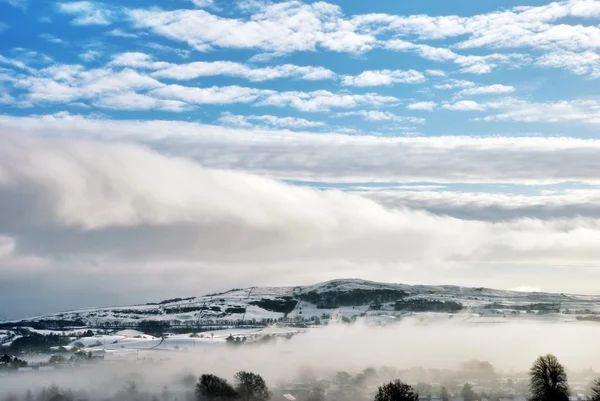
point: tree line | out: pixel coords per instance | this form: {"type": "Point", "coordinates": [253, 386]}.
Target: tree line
{"type": "Point", "coordinates": [547, 382]}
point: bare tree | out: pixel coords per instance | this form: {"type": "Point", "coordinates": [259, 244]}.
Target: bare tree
{"type": "Point", "coordinates": [548, 380]}
{"type": "Point", "coordinates": [214, 388]}
{"type": "Point", "coordinates": [251, 387]}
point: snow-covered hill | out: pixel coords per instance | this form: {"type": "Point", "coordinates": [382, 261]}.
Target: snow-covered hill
{"type": "Point", "coordinates": [345, 299]}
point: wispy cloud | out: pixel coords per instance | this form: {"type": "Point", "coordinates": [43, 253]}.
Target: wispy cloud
{"type": "Point", "coordinates": [86, 12]}
{"type": "Point", "coordinates": [267, 120]}
{"type": "Point", "coordinates": [424, 106]}
{"type": "Point", "coordinates": [383, 77]}
{"type": "Point", "coordinates": [487, 90]}
{"type": "Point", "coordinates": [376, 115]}
{"type": "Point", "coordinates": [464, 105]}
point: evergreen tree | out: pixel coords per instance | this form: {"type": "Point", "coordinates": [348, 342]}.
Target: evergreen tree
{"type": "Point", "coordinates": [595, 396]}
{"type": "Point", "coordinates": [467, 393]}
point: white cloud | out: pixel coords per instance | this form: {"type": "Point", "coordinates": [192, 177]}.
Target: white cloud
{"type": "Point", "coordinates": [282, 28]}
{"type": "Point", "coordinates": [324, 157]}
{"type": "Point", "coordinates": [464, 105]}
{"type": "Point", "coordinates": [137, 101]}
{"type": "Point", "coordinates": [279, 28]}
{"type": "Point", "coordinates": [213, 68]}
{"type": "Point", "coordinates": [90, 55]}
{"type": "Point", "coordinates": [376, 115]}
{"type": "Point", "coordinates": [520, 27]}
{"type": "Point", "coordinates": [435, 73]}
{"type": "Point", "coordinates": [119, 33]}
{"type": "Point", "coordinates": [487, 90]}
{"type": "Point", "coordinates": [86, 13]}
{"type": "Point", "coordinates": [469, 64]}
{"type": "Point", "coordinates": [18, 63]}
{"type": "Point", "coordinates": [488, 206]}
{"type": "Point", "coordinates": [511, 109]}
{"type": "Point", "coordinates": [51, 38]}
{"type": "Point", "coordinates": [383, 77]}
{"type": "Point", "coordinates": [322, 100]}
{"type": "Point", "coordinates": [274, 121]}
{"type": "Point", "coordinates": [211, 95]}
{"type": "Point", "coordinates": [7, 246]}
{"type": "Point", "coordinates": [229, 68]}
{"type": "Point", "coordinates": [67, 83]}
{"type": "Point", "coordinates": [584, 63]}
{"type": "Point", "coordinates": [22, 4]}
{"type": "Point", "coordinates": [128, 206]}
{"type": "Point", "coordinates": [203, 3]}
{"type": "Point", "coordinates": [137, 60]}
{"type": "Point", "coordinates": [424, 106]}
{"type": "Point", "coordinates": [454, 84]}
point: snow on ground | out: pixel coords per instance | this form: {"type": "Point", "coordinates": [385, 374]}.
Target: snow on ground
{"type": "Point", "coordinates": [125, 341]}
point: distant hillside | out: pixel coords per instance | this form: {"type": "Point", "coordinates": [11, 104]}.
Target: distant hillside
{"type": "Point", "coordinates": [344, 299]}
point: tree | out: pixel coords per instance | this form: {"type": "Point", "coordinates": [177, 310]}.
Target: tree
{"type": "Point", "coordinates": [316, 394]}
{"type": "Point", "coordinates": [548, 380]}
{"type": "Point", "coordinates": [188, 379]}
{"type": "Point", "coordinates": [467, 393]}
{"type": "Point", "coordinates": [595, 396]}
{"type": "Point", "coordinates": [444, 394]}
{"type": "Point", "coordinates": [423, 389]}
{"type": "Point", "coordinates": [366, 376]}
{"type": "Point", "coordinates": [214, 388]}
{"type": "Point", "coordinates": [396, 391]}
{"type": "Point", "coordinates": [56, 359]}
{"type": "Point", "coordinates": [251, 387]}
{"type": "Point", "coordinates": [131, 388]}
{"type": "Point", "coordinates": [342, 378]}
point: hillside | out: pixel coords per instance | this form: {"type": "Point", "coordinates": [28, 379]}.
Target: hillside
{"type": "Point", "coordinates": [346, 299]}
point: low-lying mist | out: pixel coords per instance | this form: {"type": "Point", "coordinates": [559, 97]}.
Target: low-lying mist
{"type": "Point", "coordinates": [436, 344]}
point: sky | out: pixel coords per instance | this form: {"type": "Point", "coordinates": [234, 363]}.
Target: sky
{"type": "Point", "coordinates": [154, 149]}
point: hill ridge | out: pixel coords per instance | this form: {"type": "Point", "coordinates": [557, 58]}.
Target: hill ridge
{"type": "Point", "coordinates": [349, 298]}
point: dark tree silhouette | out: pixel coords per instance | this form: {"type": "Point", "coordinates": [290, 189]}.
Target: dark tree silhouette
{"type": "Point", "coordinates": [214, 388]}
{"type": "Point", "coordinates": [251, 387]}
{"type": "Point", "coordinates": [467, 393]}
{"type": "Point", "coordinates": [548, 380]}
{"type": "Point", "coordinates": [595, 396]}
{"type": "Point", "coordinates": [444, 394]}
{"type": "Point", "coordinates": [396, 391]}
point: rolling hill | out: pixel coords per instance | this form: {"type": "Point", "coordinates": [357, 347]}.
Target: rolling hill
{"type": "Point", "coordinates": [344, 299]}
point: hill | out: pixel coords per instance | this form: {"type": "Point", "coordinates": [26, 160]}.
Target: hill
{"type": "Point", "coordinates": [346, 299]}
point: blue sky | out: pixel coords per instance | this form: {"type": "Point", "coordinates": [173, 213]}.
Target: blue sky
{"type": "Point", "coordinates": [44, 34]}
{"type": "Point", "coordinates": [389, 120]}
